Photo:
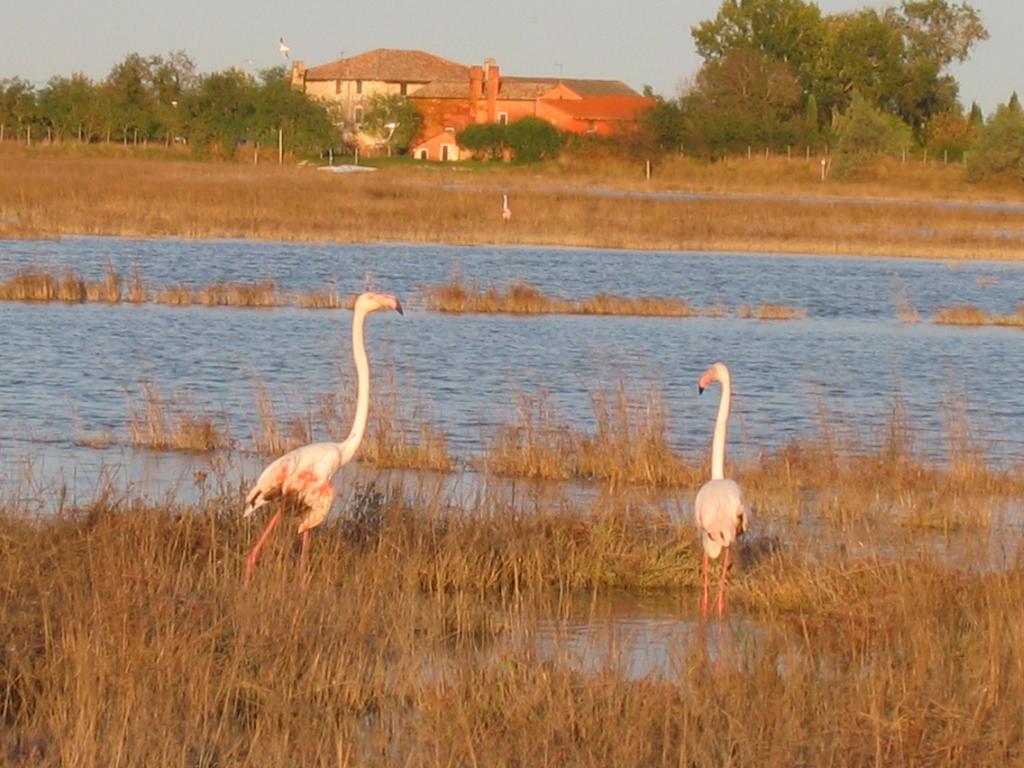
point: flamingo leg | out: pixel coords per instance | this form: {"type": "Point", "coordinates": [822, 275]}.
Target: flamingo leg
{"type": "Point", "coordinates": [303, 576]}
{"type": "Point", "coordinates": [704, 599]}
{"type": "Point", "coordinates": [250, 562]}
{"type": "Point", "coordinates": [722, 583]}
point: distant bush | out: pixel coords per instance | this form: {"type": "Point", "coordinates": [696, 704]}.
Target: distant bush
{"type": "Point", "coordinates": [533, 139]}
{"type": "Point", "coordinates": [1000, 145]}
{"type": "Point", "coordinates": [865, 134]}
{"type": "Point", "coordinates": [485, 139]}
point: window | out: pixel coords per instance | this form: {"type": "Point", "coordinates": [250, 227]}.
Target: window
{"type": "Point", "coordinates": [422, 153]}
{"type": "Point", "coordinates": [359, 86]}
{"type": "Point", "coordinates": [402, 88]}
{"type": "Point", "coordinates": [444, 151]}
{"type": "Point", "coordinates": [337, 86]}
{"type": "Point", "coordinates": [503, 118]}
{"type": "Point", "coordinates": [591, 126]}
{"type": "Point", "coordinates": [358, 115]}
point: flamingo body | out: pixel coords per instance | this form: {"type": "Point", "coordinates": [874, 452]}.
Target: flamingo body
{"type": "Point", "coordinates": [720, 515]}
{"type": "Point", "coordinates": [306, 474]}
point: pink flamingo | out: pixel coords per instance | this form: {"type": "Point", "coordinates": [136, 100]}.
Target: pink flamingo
{"type": "Point", "coordinates": [719, 510]}
{"type": "Point", "coordinates": [306, 473]}
{"type": "Point", "coordinates": [506, 212]}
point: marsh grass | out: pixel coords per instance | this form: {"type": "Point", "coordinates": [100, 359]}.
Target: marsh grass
{"type": "Point", "coordinates": [629, 443]}
{"type": "Point", "coordinates": [906, 312]}
{"type": "Point", "coordinates": [36, 284]}
{"type": "Point", "coordinates": [130, 640]}
{"type": "Point", "coordinates": [173, 424]}
{"type": "Point", "coordinates": [524, 299]}
{"type": "Point", "coordinates": [40, 284]}
{"type": "Point", "coordinates": [272, 436]}
{"type": "Point", "coordinates": [968, 314]}
{"type": "Point", "coordinates": [772, 312]}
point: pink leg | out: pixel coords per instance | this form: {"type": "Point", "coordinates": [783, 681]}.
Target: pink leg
{"type": "Point", "coordinates": [255, 553]}
{"type": "Point", "coordinates": [303, 576]}
{"type": "Point", "coordinates": [722, 583]}
{"type": "Point", "coordinates": [704, 599]}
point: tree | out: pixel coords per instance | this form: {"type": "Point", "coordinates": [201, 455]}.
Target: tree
{"type": "Point", "coordinates": [743, 99]}
{"type": "Point", "coordinates": [999, 148]}
{"type": "Point", "coordinates": [17, 103]}
{"type": "Point", "coordinates": [533, 139]}
{"type": "Point", "coordinates": [382, 110]}
{"type": "Point", "coordinates": [864, 133]}
{"type": "Point", "coordinates": [131, 100]}
{"type": "Point", "coordinates": [485, 140]}
{"type": "Point", "coordinates": [72, 104]}
{"type": "Point", "coordinates": [220, 111]}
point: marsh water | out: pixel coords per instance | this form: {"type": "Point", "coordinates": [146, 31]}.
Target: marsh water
{"type": "Point", "coordinates": [68, 371]}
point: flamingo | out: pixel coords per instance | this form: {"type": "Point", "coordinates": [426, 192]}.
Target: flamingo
{"type": "Point", "coordinates": [284, 49]}
{"type": "Point", "coordinates": [305, 474]}
{"type": "Point", "coordinates": [506, 212]}
{"type": "Point", "coordinates": [718, 509]}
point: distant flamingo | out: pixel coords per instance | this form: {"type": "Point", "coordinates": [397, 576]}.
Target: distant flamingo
{"type": "Point", "coordinates": [718, 509]}
{"type": "Point", "coordinates": [305, 474]}
{"type": "Point", "coordinates": [506, 212]}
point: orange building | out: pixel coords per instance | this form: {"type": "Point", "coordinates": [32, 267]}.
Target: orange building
{"type": "Point", "coordinates": [601, 107]}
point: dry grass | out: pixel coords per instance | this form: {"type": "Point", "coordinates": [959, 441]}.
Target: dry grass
{"type": "Point", "coordinates": [629, 445]}
{"type": "Point", "coordinates": [967, 314]}
{"type": "Point", "coordinates": [906, 312]}
{"type": "Point", "coordinates": [962, 315]}
{"type": "Point", "coordinates": [524, 299]}
{"type": "Point", "coordinates": [262, 294]}
{"type": "Point", "coordinates": [326, 299]}
{"type": "Point", "coordinates": [772, 312]}
{"type": "Point", "coordinates": [35, 284]}
{"type": "Point", "coordinates": [40, 284]}
{"type": "Point", "coordinates": [129, 640]}
{"type": "Point", "coordinates": [173, 424]}
{"type": "Point", "coordinates": [68, 194]}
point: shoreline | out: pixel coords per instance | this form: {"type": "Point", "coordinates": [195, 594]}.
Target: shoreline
{"type": "Point", "coordinates": [48, 196]}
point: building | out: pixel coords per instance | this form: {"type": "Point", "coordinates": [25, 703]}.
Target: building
{"type": "Point", "coordinates": [598, 107]}
{"type": "Point", "coordinates": [451, 96]}
{"type": "Point", "coordinates": [347, 85]}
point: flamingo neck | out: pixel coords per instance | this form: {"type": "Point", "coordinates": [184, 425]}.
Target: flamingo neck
{"type": "Point", "coordinates": [721, 424]}
{"type": "Point", "coordinates": [355, 436]}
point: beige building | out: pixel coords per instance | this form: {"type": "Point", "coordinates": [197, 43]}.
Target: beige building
{"type": "Point", "coordinates": [347, 84]}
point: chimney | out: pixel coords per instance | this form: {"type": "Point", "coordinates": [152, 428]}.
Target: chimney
{"type": "Point", "coordinates": [476, 90]}
{"type": "Point", "coordinates": [299, 75]}
{"type": "Point", "coordinates": [493, 79]}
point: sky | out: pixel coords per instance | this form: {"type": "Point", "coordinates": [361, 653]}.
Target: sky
{"type": "Point", "coordinates": [608, 39]}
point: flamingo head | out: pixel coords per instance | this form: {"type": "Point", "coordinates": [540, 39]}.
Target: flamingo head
{"type": "Point", "coordinates": [371, 302]}
{"type": "Point", "coordinates": [717, 372]}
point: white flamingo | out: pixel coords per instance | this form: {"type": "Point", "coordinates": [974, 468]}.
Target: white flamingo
{"type": "Point", "coordinates": [719, 510]}
{"type": "Point", "coordinates": [284, 49]}
{"type": "Point", "coordinates": [506, 212]}
{"type": "Point", "coordinates": [305, 474]}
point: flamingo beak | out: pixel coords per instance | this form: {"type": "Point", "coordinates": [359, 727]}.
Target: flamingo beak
{"type": "Point", "coordinates": [398, 307]}
{"type": "Point", "coordinates": [700, 389]}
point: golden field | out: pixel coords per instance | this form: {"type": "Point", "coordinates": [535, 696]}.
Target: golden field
{"type": "Point", "coordinates": [762, 205]}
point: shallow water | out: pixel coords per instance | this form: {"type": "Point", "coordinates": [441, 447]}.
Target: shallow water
{"type": "Point", "coordinates": [68, 369]}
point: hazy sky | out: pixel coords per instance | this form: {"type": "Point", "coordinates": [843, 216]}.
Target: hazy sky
{"type": "Point", "coordinates": [646, 44]}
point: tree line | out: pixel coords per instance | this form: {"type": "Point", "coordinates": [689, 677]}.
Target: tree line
{"type": "Point", "coordinates": [870, 82]}
{"type": "Point", "coordinates": [776, 74]}
{"type": "Point", "coordinates": [162, 99]}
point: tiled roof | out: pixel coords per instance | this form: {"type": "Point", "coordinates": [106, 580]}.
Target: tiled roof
{"type": "Point", "coordinates": [602, 107]}
{"type": "Point", "coordinates": [390, 64]}
{"type": "Point", "coordinates": [582, 87]}
{"type": "Point", "coordinates": [442, 89]}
